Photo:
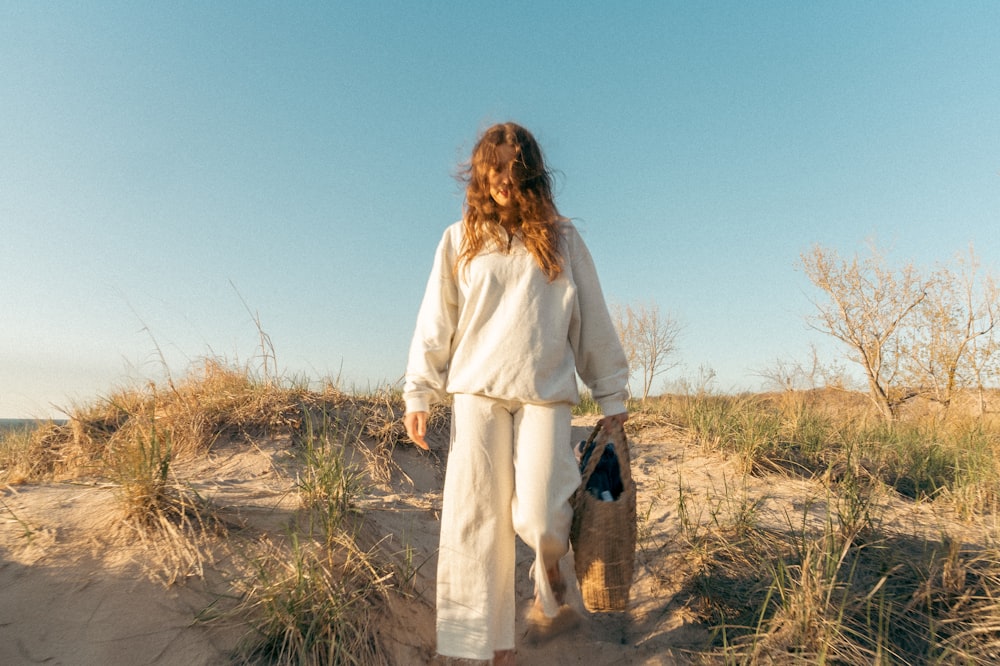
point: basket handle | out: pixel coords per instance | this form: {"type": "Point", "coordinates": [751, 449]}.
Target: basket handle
{"type": "Point", "coordinates": [591, 455]}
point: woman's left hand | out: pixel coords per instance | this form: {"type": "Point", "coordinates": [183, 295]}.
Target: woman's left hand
{"type": "Point", "coordinates": [609, 423]}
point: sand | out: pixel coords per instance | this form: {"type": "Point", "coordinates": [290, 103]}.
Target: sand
{"type": "Point", "coordinates": [76, 588]}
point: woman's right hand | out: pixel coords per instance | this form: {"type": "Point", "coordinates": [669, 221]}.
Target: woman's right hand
{"type": "Point", "coordinates": [416, 428]}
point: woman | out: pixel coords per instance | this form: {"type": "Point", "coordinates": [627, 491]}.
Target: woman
{"type": "Point", "coordinates": [512, 312]}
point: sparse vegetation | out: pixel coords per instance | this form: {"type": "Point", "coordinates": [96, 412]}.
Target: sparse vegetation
{"type": "Point", "coordinates": [839, 584]}
{"type": "Point", "coordinates": [23, 454]}
{"type": "Point", "coordinates": [311, 597]}
{"type": "Point", "coordinates": [833, 580]}
{"type": "Point", "coordinates": [828, 433]}
{"type": "Point", "coordinates": [313, 603]}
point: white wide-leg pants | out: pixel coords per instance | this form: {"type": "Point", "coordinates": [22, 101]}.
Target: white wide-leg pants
{"type": "Point", "coordinates": [511, 470]}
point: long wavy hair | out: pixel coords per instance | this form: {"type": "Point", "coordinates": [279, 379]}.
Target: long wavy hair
{"type": "Point", "coordinates": [532, 212]}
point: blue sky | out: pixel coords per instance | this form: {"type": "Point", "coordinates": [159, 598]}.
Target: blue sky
{"type": "Point", "coordinates": [162, 162]}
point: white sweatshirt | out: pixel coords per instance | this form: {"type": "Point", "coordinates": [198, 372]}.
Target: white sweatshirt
{"type": "Point", "coordinates": [500, 329]}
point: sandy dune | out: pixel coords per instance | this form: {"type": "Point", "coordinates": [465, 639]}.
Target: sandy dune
{"type": "Point", "coordinates": [77, 588]}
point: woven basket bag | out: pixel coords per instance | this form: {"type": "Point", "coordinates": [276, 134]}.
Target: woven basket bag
{"type": "Point", "coordinates": [603, 533]}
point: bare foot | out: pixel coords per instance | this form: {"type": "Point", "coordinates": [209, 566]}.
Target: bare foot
{"type": "Point", "coordinates": [541, 628]}
{"type": "Point", "coordinates": [558, 591]}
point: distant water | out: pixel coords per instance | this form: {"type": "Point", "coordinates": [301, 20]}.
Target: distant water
{"type": "Point", "coordinates": [12, 425]}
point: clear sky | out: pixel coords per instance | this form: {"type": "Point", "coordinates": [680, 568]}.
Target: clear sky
{"type": "Point", "coordinates": [162, 162]}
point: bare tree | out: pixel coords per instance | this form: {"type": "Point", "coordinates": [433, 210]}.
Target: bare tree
{"type": "Point", "coordinates": [950, 341]}
{"type": "Point", "coordinates": [984, 351]}
{"type": "Point", "coordinates": [786, 374]}
{"type": "Point", "coordinates": [866, 304]}
{"type": "Point", "coordinates": [649, 340]}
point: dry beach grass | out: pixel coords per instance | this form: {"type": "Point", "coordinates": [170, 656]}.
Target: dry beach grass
{"type": "Point", "coordinates": [235, 517]}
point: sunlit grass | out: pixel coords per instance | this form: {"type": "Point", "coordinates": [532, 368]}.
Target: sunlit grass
{"type": "Point", "coordinates": [851, 591]}
{"type": "Point", "coordinates": [313, 603]}
{"type": "Point", "coordinates": [847, 591]}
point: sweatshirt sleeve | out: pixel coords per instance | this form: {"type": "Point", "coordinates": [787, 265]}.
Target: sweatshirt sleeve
{"type": "Point", "coordinates": [431, 346]}
{"type": "Point", "coordinates": [600, 361]}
